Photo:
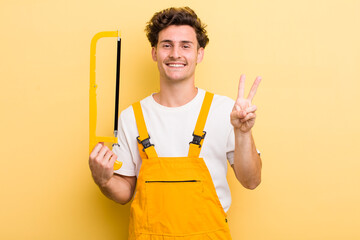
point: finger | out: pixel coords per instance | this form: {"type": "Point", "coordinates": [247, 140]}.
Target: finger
{"type": "Point", "coordinates": [237, 108]}
{"type": "Point", "coordinates": [248, 117]}
{"type": "Point", "coordinates": [112, 160]}
{"type": "Point", "coordinates": [238, 114]}
{"type": "Point", "coordinates": [241, 114]}
{"type": "Point", "coordinates": [254, 88]}
{"type": "Point", "coordinates": [107, 157]}
{"type": "Point", "coordinates": [102, 153]}
{"type": "Point", "coordinates": [233, 115]}
{"type": "Point", "coordinates": [96, 149]}
{"type": "Point", "coordinates": [241, 87]}
{"type": "Point", "coordinates": [251, 109]}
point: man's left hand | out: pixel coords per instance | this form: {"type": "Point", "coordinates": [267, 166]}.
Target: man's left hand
{"type": "Point", "coordinates": [243, 114]}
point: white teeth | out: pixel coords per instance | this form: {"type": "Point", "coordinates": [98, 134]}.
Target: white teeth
{"type": "Point", "coordinates": [176, 65]}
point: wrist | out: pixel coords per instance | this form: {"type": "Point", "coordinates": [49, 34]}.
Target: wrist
{"type": "Point", "coordinates": [238, 132]}
{"type": "Point", "coordinates": [103, 183]}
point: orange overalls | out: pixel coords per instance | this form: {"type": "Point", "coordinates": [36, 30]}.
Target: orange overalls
{"type": "Point", "coordinates": [175, 197]}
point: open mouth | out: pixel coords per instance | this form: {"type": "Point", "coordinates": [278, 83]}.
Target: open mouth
{"type": "Point", "coordinates": [176, 65]}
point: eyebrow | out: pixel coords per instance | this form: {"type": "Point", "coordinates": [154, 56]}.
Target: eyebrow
{"type": "Point", "coordinates": [170, 41]}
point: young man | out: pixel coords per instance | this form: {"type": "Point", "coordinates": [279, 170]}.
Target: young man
{"type": "Point", "coordinates": [181, 188]}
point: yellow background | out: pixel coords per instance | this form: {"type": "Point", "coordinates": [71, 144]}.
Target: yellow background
{"type": "Point", "coordinates": [307, 129]}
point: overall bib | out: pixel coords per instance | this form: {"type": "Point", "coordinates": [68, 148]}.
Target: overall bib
{"type": "Point", "coordinates": [175, 197]}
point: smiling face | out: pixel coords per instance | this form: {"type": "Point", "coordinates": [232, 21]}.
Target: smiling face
{"type": "Point", "coordinates": [177, 53]}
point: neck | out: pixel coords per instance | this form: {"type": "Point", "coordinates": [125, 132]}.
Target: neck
{"type": "Point", "coordinates": [175, 95]}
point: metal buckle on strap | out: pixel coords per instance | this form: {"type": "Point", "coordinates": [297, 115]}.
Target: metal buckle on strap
{"type": "Point", "coordinates": [197, 139]}
{"type": "Point", "coordinates": [146, 142]}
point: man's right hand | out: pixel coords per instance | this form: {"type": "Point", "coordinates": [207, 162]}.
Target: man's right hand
{"type": "Point", "coordinates": [101, 162]}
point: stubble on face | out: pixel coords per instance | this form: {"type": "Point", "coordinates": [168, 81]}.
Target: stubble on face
{"type": "Point", "coordinates": [177, 53]}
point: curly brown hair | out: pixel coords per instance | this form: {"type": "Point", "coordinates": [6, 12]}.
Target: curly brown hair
{"type": "Point", "coordinates": [175, 16]}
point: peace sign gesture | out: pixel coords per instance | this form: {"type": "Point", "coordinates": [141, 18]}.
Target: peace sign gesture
{"type": "Point", "coordinates": [243, 114]}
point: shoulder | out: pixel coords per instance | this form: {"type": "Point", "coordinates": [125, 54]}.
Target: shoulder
{"type": "Point", "coordinates": [128, 113]}
{"type": "Point", "coordinates": [221, 107]}
{"type": "Point", "coordinates": [222, 103]}
{"type": "Point", "coordinates": [223, 100]}
{"type": "Point", "coordinates": [218, 99]}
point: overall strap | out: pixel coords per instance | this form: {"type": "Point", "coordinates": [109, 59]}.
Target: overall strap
{"type": "Point", "coordinates": [199, 133]}
{"type": "Point", "coordinates": [143, 139]}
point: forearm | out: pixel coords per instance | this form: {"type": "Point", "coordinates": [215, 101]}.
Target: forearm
{"type": "Point", "coordinates": [118, 189]}
{"type": "Point", "coordinates": [247, 162]}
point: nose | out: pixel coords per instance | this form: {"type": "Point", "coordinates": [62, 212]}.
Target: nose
{"type": "Point", "coordinates": [175, 52]}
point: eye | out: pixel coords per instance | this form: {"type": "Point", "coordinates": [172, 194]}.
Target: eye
{"type": "Point", "coordinates": [166, 45]}
{"type": "Point", "coordinates": [186, 46]}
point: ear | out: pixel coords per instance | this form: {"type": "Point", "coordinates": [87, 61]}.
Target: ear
{"type": "Point", "coordinates": [200, 55]}
{"type": "Point", "coordinates": [153, 54]}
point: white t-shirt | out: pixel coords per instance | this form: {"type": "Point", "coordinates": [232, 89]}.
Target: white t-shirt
{"type": "Point", "coordinates": [171, 129]}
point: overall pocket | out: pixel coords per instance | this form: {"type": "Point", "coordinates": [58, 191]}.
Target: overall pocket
{"type": "Point", "coordinates": [175, 207]}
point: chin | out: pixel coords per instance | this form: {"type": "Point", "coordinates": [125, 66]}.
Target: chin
{"type": "Point", "coordinates": [175, 78]}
